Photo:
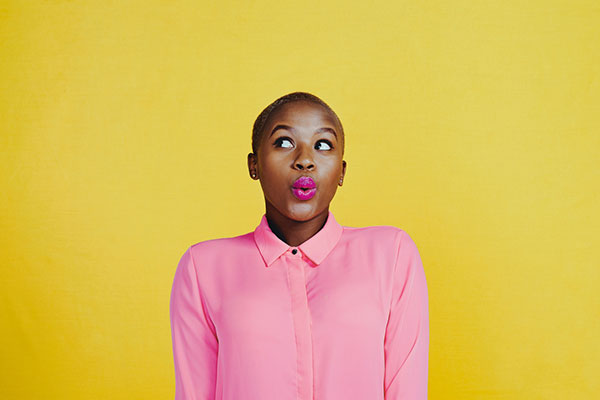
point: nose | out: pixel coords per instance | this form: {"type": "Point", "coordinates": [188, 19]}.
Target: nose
{"type": "Point", "coordinates": [304, 160]}
{"type": "Point", "coordinates": [302, 165]}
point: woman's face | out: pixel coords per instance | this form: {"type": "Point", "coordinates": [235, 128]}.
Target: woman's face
{"type": "Point", "coordinates": [300, 139]}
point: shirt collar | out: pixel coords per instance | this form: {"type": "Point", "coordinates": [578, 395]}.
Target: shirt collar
{"type": "Point", "coordinates": [316, 248]}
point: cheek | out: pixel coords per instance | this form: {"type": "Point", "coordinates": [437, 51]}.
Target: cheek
{"type": "Point", "coordinates": [268, 169]}
{"type": "Point", "coordinates": [272, 162]}
{"type": "Point", "coordinates": [331, 183]}
{"type": "Point", "coordinates": [273, 175]}
{"type": "Point", "coordinates": [273, 180]}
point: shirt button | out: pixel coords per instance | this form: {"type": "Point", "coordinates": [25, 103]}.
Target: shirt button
{"type": "Point", "coordinates": [294, 251]}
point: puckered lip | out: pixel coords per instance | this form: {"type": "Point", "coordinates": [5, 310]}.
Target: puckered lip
{"type": "Point", "coordinates": [304, 182]}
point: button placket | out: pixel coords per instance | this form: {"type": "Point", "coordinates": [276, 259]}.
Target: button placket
{"type": "Point", "coordinates": [301, 319]}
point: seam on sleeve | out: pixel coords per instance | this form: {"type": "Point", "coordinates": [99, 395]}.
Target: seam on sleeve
{"type": "Point", "coordinates": [394, 269]}
{"type": "Point", "coordinates": [203, 303]}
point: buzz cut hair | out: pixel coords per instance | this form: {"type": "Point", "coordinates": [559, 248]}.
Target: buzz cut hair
{"type": "Point", "coordinates": [261, 120]}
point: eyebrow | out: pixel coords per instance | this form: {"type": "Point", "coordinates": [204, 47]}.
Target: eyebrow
{"type": "Point", "coordinates": [289, 128]}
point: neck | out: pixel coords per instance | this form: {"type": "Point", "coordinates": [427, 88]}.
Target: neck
{"type": "Point", "coordinates": [295, 232]}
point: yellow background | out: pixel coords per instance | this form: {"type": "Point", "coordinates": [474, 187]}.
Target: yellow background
{"type": "Point", "coordinates": [472, 125]}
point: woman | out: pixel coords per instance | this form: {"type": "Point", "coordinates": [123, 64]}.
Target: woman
{"type": "Point", "coordinates": [302, 307]}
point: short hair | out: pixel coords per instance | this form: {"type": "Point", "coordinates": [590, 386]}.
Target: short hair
{"type": "Point", "coordinates": [261, 120]}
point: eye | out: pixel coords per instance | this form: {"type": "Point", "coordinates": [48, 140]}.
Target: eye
{"type": "Point", "coordinates": [328, 143]}
{"type": "Point", "coordinates": [281, 140]}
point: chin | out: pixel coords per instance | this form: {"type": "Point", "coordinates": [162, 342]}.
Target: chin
{"type": "Point", "coordinates": [300, 212]}
{"type": "Point", "coordinates": [304, 211]}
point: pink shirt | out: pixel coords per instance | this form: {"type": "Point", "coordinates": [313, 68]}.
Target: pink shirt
{"type": "Point", "coordinates": [343, 316]}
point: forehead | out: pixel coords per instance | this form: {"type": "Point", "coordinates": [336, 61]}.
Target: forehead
{"type": "Point", "coordinates": [303, 112]}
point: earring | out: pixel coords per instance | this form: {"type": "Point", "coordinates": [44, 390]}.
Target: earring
{"type": "Point", "coordinates": [253, 175]}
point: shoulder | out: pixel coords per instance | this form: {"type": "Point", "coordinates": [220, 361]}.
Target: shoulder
{"type": "Point", "coordinates": [379, 241]}
{"type": "Point", "coordinates": [204, 258]}
{"type": "Point", "coordinates": [386, 236]}
{"type": "Point", "coordinates": [221, 246]}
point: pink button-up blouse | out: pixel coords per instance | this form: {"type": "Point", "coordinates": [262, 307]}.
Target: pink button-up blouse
{"type": "Point", "coordinates": [342, 316]}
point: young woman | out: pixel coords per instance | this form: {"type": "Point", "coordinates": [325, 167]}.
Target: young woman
{"type": "Point", "coordinates": [302, 307]}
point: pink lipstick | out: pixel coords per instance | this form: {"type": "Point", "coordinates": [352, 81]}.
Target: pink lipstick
{"type": "Point", "coordinates": [304, 188]}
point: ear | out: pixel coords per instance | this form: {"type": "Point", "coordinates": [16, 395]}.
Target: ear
{"type": "Point", "coordinates": [252, 166]}
{"type": "Point", "coordinates": [343, 171]}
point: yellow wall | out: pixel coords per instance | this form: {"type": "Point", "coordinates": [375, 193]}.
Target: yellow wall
{"type": "Point", "coordinates": [474, 126]}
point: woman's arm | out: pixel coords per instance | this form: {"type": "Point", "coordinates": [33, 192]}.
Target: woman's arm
{"type": "Point", "coordinates": [195, 344]}
{"type": "Point", "coordinates": [407, 332]}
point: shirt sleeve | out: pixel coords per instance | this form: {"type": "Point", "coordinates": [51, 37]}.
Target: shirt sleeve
{"type": "Point", "coordinates": [195, 344]}
{"type": "Point", "coordinates": [406, 342]}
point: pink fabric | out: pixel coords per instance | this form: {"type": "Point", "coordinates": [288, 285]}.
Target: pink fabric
{"type": "Point", "coordinates": [345, 318]}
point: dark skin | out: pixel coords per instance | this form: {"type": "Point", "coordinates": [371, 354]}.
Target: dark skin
{"type": "Point", "coordinates": [300, 138]}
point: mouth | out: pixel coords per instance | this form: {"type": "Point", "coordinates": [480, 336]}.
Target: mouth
{"type": "Point", "coordinates": [304, 188]}
{"type": "Point", "coordinates": [304, 183]}
{"type": "Point", "coordinates": [304, 194]}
